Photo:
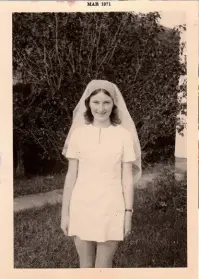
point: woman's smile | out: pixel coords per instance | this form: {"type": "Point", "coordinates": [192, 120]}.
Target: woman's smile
{"type": "Point", "coordinates": [101, 114]}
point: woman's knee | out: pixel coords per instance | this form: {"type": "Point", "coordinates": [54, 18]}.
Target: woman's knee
{"type": "Point", "coordinates": [86, 252]}
{"type": "Point", "coordinates": [105, 254]}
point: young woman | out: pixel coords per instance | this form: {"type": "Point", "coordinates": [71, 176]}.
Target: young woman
{"type": "Point", "coordinates": [104, 157]}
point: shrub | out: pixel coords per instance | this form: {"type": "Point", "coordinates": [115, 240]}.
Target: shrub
{"type": "Point", "coordinates": [56, 54]}
{"type": "Point", "coordinates": [167, 194]}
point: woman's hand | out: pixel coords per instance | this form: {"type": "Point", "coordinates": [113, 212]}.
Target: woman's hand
{"type": "Point", "coordinates": [65, 224]}
{"type": "Point", "coordinates": [127, 223]}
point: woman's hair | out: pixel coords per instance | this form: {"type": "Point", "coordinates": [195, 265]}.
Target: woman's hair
{"type": "Point", "coordinates": [114, 118]}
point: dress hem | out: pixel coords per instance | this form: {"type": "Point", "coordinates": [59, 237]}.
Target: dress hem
{"type": "Point", "coordinates": [94, 240]}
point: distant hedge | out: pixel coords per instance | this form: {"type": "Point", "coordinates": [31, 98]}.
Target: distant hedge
{"type": "Point", "coordinates": [55, 55]}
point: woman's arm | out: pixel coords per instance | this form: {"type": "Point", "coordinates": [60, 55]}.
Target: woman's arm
{"type": "Point", "coordinates": [127, 182]}
{"type": "Point", "coordinates": [69, 184]}
{"type": "Point", "coordinates": [128, 190]}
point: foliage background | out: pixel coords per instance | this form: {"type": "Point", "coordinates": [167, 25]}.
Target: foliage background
{"type": "Point", "coordinates": [55, 55]}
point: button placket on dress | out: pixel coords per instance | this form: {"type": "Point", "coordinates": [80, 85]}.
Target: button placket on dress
{"type": "Point", "coordinates": [99, 138]}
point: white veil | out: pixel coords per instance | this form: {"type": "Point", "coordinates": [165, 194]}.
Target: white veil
{"type": "Point", "coordinates": [124, 116]}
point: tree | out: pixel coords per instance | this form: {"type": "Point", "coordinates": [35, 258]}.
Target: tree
{"type": "Point", "coordinates": [57, 54]}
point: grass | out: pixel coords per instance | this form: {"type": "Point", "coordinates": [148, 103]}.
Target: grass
{"type": "Point", "coordinates": [38, 184]}
{"type": "Point", "coordinates": [159, 237]}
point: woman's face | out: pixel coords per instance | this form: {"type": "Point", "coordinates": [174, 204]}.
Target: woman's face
{"type": "Point", "coordinates": [101, 106]}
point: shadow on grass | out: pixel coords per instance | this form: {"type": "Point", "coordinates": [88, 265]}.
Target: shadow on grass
{"type": "Point", "coordinates": [158, 239]}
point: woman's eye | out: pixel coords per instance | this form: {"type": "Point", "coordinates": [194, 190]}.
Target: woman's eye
{"type": "Point", "coordinates": [96, 102]}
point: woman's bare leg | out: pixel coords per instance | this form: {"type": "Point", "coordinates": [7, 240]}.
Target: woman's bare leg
{"type": "Point", "coordinates": [86, 252]}
{"type": "Point", "coordinates": [105, 253]}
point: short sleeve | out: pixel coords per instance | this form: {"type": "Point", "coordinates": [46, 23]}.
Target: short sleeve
{"type": "Point", "coordinates": [73, 146]}
{"type": "Point", "coordinates": [128, 149]}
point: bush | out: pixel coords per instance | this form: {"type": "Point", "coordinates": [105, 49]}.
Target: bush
{"type": "Point", "coordinates": [170, 193]}
{"type": "Point", "coordinates": [161, 215]}
{"type": "Point", "coordinates": [57, 54]}
{"type": "Point", "coordinates": [167, 194]}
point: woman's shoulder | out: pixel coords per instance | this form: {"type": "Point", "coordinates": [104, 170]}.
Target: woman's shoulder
{"type": "Point", "coordinates": [122, 133]}
{"type": "Point", "coordinates": [79, 130]}
{"type": "Point", "coordinates": [122, 130]}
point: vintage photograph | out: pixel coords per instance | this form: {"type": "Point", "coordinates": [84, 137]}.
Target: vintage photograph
{"type": "Point", "coordinates": [99, 139]}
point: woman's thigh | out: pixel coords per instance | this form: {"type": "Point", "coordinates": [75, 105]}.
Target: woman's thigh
{"type": "Point", "coordinates": [86, 251]}
{"type": "Point", "coordinates": [105, 253]}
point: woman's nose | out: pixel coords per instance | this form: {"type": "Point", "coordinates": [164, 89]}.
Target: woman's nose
{"type": "Point", "coordinates": [100, 108]}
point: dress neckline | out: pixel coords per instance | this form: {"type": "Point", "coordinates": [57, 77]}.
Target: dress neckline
{"type": "Point", "coordinates": [101, 128]}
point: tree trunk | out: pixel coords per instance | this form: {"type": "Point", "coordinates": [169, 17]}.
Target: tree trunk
{"type": "Point", "coordinates": [19, 171]}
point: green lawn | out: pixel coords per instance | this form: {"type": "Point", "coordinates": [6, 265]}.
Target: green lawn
{"type": "Point", "coordinates": [159, 235]}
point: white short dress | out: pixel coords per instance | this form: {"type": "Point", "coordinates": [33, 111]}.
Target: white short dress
{"type": "Point", "coordinates": [97, 207]}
